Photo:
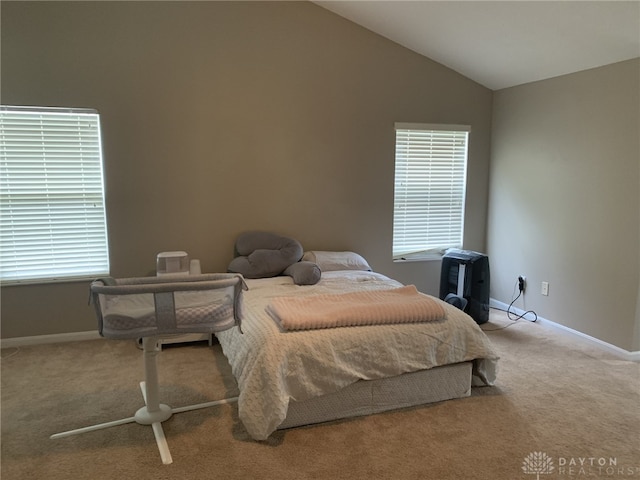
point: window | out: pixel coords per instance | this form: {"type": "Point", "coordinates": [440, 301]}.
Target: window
{"type": "Point", "coordinates": [52, 212]}
{"type": "Point", "coordinates": [429, 195]}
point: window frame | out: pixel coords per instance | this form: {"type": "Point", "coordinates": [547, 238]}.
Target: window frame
{"type": "Point", "coordinates": [53, 224]}
{"type": "Point", "coordinates": [406, 226]}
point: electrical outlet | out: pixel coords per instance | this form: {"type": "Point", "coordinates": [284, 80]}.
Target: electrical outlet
{"type": "Point", "coordinates": [522, 283]}
{"type": "Point", "coordinates": [544, 288]}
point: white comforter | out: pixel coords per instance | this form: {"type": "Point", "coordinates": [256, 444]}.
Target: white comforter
{"type": "Point", "coordinates": [273, 366]}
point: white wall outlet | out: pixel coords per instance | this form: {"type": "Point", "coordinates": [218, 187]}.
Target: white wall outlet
{"type": "Point", "coordinates": [544, 288]}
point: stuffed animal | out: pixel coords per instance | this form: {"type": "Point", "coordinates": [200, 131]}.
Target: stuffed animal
{"type": "Point", "coordinates": [263, 254]}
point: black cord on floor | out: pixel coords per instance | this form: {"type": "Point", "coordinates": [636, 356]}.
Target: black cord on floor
{"type": "Point", "coordinates": [518, 317]}
{"type": "Point", "coordinates": [511, 315]}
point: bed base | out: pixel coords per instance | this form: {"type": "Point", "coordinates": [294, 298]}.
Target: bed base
{"type": "Point", "coordinates": [374, 396]}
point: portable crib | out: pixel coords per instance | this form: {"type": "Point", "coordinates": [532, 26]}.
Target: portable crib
{"type": "Point", "coordinates": [152, 307]}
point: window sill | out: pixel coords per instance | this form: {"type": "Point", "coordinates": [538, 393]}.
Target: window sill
{"type": "Point", "coordinates": [422, 258]}
{"type": "Point", "coordinates": [46, 281]}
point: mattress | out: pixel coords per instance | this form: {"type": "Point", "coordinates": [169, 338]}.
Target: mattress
{"type": "Point", "coordinates": [277, 369]}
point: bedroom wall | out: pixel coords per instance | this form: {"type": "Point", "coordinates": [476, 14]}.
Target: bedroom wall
{"type": "Point", "coordinates": [565, 200]}
{"type": "Point", "coordinates": [219, 118]}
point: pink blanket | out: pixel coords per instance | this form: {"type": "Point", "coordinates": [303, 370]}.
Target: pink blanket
{"type": "Point", "coordinates": [398, 305]}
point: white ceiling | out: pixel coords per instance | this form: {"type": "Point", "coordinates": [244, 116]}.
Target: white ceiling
{"type": "Point", "coordinates": [501, 44]}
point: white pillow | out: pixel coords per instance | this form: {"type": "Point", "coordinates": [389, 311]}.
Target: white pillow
{"type": "Point", "coordinates": [328, 261]}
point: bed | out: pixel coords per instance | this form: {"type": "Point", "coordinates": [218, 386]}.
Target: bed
{"type": "Point", "coordinates": [289, 378]}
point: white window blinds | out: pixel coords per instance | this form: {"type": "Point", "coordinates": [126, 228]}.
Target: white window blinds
{"type": "Point", "coordinates": [430, 184]}
{"type": "Point", "coordinates": [52, 212]}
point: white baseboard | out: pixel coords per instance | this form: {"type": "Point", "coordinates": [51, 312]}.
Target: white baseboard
{"type": "Point", "coordinates": [620, 352]}
{"type": "Point", "coordinates": [42, 339]}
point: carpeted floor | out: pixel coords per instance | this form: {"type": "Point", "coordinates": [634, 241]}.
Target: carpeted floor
{"type": "Point", "coordinates": [556, 399]}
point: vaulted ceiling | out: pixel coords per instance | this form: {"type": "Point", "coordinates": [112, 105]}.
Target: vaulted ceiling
{"type": "Point", "coordinates": [500, 44]}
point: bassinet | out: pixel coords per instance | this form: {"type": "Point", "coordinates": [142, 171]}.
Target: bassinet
{"type": "Point", "coordinates": [151, 307]}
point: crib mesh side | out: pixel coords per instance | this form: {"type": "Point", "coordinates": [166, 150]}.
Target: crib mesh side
{"type": "Point", "coordinates": [156, 313]}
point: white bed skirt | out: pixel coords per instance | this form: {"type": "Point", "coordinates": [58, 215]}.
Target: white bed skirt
{"type": "Point", "coordinates": [374, 396]}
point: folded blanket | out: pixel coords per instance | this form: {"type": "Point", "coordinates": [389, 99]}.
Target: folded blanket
{"type": "Point", "coordinates": [397, 305]}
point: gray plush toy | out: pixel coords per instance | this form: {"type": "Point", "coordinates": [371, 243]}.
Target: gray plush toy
{"type": "Point", "coordinates": [264, 254]}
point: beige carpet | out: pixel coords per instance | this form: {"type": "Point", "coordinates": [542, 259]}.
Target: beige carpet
{"type": "Point", "coordinates": [568, 403]}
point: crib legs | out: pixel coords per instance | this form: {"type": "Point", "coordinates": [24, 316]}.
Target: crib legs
{"type": "Point", "coordinates": [154, 412]}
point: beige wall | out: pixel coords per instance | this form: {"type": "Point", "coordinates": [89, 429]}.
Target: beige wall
{"type": "Point", "coordinates": [565, 199]}
{"type": "Point", "coordinates": [223, 117]}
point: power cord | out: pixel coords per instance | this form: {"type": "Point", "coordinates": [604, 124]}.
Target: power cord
{"type": "Point", "coordinates": [518, 317]}
{"type": "Point", "coordinates": [511, 315]}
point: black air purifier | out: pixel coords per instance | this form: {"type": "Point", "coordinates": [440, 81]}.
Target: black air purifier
{"type": "Point", "coordinates": [465, 274]}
